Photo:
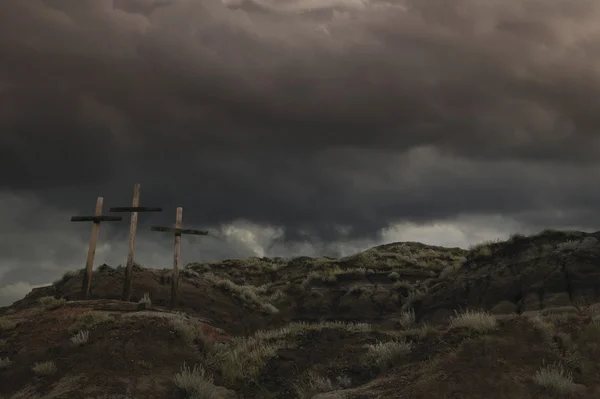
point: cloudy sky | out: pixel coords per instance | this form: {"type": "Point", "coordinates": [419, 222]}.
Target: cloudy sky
{"type": "Point", "coordinates": [292, 127]}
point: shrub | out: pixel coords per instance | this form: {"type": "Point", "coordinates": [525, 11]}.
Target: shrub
{"type": "Point", "coordinates": [88, 320]}
{"type": "Point", "coordinates": [188, 330]}
{"type": "Point", "coordinates": [7, 324]}
{"type": "Point", "coordinates": [313, 385]}
{"type": "Point", "coordinates": [386, 354]}
{"type": "Point", "coordinates": [80, 338]}
{"type": "Point", "coordinates": [555, 378]}
{"type": "Point", "coordinates": [44, 368]}
{"type": "Point", "coordinates": [407, 319]}
{"type": "Point", "coordinates": [248, 294]}
{"type": "Point", "coordinates": [245, 357]}
{"type": "Point", "coordinates": [4, 362]}
{"type": "Point", "coordinates": [476, 321]}
{"type": "Point", "coordinates": [67, 276]}
{"type": "Point", "coordinates": [146, 299]}
{"type": "Point", "coordinates": [50, 302]}
{"type": "Point", "coordinates": [196, 383]}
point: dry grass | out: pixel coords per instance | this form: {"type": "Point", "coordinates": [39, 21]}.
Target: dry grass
{"type": "Point", "coordinates": [188, 330]}
{"type": "Point", "coordinates": [407, 319]}
{"type": "Point", "coordinates": [312, 385]}
{"type": "Point", "coordinates": [249, 295]}
{"type": "Point", "coordinates": [245, 357]}
{"type": "Point", "coordinates": [387, 354]}
{"type": "Point", "coordinates": [4, 362]}
{"type": "Point", "coordinates": [196, 383]}
{"type": "Point", "coordinates": [554, 378]}
{"type": "Point", "coordinates": [80, 338]}
{"type": "Point", "coordinates": [544, 327]}
{"type": "Point", "coordinates": [146, 299]}
{"type": "Point", "coordinates": [44, 368]}
{"type": "Point", "coordinates": [475, 321]}
{"type": "Point", "coordinates": [7, 324]}
{"type": "Point", "coordinates": [569, 245]}
{"type": "Point", "coordinates": [88, 320]}
{"type": "Point", "coordinates": [67, 276]}
{"type": "Point", "coordinates": [50, 302]}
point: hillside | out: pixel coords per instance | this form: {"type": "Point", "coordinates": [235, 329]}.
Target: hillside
{"type": "Point", "coordinates": [517, 319]}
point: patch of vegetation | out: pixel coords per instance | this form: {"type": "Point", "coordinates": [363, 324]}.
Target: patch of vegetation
{"type": "Point", "coordinates": [88, 320]}
{"type": "Point", "coordinates": [146, 299]}
{"type": "Point", "coordinates": [554, 378]}
{"type": "Point", "coordinates": [190, 273]}
{"type": "Point", "coordinates": [249, 295]}
{"type": "Point", "coordinates": [50, 302]}
{"type": "Point", "coordinates": [189, 330]}
{"type": "Point", "coordinates": [80, 338]}
{"type": "Point", "coordinates": [544, 327]}
{"type": "Point", "coordinates": [314, 384]}
{"type": "Point", "coordinates": [407, 319]}
{"type": "Point", "coordinates": [420, 332]}
{"type": "Point", "coordinates": [327, 275]}
{"type": "Point", "coordinates": [587, 345]}
{"type": "Point", "coordinates": [67, 276]}
{"type": "Point", "coordinates": [475, 321]}
{"type": "Point", "coordinates": [450, 270]}
{"type": "Point", "coordinates": [5, 362]}
{"type": "Point", "coordinates": [7, 324]}
{"type": "Point", "coordinates": [483, 249]}
{"type": "Point", "coordinates": [568, 245]}
{"type": "Point", "coordinates": [104, 268]}
{"type": "Point", "coordinates": [415, 294]}
{"type": "Point", "coordinates": [407, 254]}
{"type": "Point", "coordinates": [244, 357]}
{"type": "Point", "coordinates": [44, 368]}
{"type": "Point", "coordinates": [516, 237]}
{"type": "Point", "coordinates": [387, 354]}
{"type": "Point", "coordinates": [196, 383]}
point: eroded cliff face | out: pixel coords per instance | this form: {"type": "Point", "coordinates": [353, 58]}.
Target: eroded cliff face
{"type": "Point", "coordinates": [529, 274]}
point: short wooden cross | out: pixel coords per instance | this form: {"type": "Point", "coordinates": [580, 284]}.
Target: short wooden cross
{"type": "Point", "coordinates": [134, 209]}
{"type": "Point", "coordinates": [97, 218]}
{"type": "Point", "coordinates": [177, 231]}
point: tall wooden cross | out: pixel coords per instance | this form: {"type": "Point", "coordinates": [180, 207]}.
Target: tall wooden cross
{"type": "Point", "coordinates": [97, 218]}
{"type": "Point", "coordinates": [134, 209]}
{"type": "Point", "coordinates": [178, 231]}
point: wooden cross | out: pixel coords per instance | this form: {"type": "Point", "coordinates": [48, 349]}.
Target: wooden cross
{"type": "Point", "coordinates": [97, 218]}
{"type": "Point", "coordinates": [178, 231]}
{"type": "Point", "coordinates": [134, 209]}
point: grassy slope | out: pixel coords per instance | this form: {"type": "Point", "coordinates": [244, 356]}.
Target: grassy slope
{"type": "Point", "coordinates": [144, 354]}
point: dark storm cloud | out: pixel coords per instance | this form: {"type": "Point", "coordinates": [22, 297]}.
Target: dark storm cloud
{"type": "Point", "coordinates": [303, 114]}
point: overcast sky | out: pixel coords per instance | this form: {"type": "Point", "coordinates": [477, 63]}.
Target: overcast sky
{"type": "Point", "coordinates": [292, 127]}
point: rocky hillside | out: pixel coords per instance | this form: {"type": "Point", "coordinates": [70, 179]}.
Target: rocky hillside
{"type": "Point", "coordinates": [404, 320]}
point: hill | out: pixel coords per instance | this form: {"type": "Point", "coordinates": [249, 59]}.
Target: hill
{"type": "Point", "coordinates": [516, 319]}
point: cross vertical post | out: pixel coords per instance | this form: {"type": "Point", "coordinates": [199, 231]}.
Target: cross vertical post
{"type": "Point", "coordinates": [177, 231]}
{"type": "Point", "coordinates": [97, 218]}
{"type": "Point", "coordinates": [134, 209]}
{"type": "Point", "coordinates": [176, 258]}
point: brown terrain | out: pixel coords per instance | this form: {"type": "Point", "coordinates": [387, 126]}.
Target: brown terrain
{"type": "Point", "coordinates": [516, 319]}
